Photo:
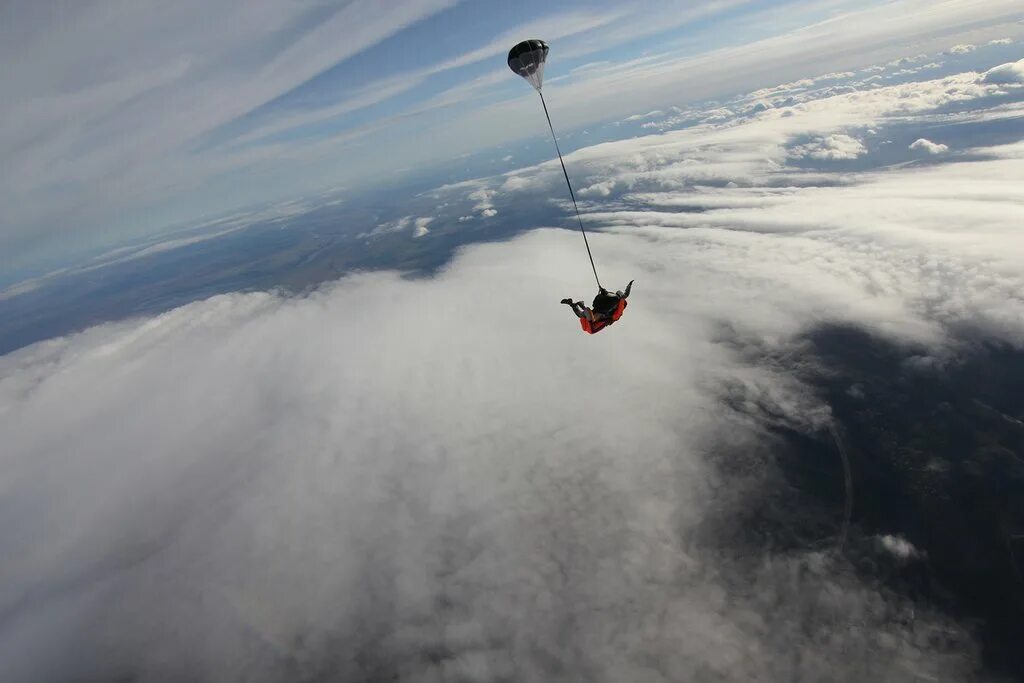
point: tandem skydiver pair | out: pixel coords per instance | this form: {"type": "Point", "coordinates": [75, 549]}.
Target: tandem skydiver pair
{"type": "Point", "coordinates": [605, 310]}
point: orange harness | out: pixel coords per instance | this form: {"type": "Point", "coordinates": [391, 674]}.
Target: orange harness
{"type": "Point", "coordinates": [598, 325]}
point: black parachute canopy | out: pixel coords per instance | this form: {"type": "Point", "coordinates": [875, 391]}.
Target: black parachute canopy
{"type": "Point", "coordinates": [527, 59]}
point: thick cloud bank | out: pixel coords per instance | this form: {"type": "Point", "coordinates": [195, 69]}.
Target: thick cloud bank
{"type": "Point", "coordinates": [443, 480]}
{"type": "Point", "coordinates": [394, 478]}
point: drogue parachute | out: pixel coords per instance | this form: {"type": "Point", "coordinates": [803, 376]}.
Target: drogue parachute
{"type": "Point", "coordinates": [527, 59]}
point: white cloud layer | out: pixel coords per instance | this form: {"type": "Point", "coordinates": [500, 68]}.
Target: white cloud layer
{"type": "Point", "coordinates": [382, 477]}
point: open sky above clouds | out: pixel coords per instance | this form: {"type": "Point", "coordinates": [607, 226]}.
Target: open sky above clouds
{"type": "Point", "coordinates": [124, 117]}
{"type": "Point", "coordinates": [441, 478]}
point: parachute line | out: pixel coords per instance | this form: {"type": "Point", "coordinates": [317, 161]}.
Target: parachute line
{"type": "Point", "coordinates": [571, 193]}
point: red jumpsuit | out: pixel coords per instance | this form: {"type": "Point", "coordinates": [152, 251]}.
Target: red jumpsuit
{"type": "Point", "coordinates": [603, 322]}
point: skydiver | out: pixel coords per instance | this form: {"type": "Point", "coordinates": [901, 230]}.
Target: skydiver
{"type": "Point", "coordinates": [602, 308]}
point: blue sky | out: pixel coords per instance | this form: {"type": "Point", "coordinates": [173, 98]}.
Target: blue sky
{"type": "Point", "coordinates": [123, 118]}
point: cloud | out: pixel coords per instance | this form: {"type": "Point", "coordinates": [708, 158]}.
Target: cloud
{"type": "Point", "coordinates": [961, 49]}
{"type": "Point", "coordinates": [366, 482]}
{"type": "Point", "coordinates": [928, 146]}
{"type": "Point", "coordinates": [1011, 73]}
{"type": "Point", "coordinates": [83, 118]}
{"type": "Point", "coordinates": [833, 147]}
{"type": "Point", "coordinates": [558, 26]}
{"type": "Point", "coordinates": [715, 180]}
{"type": "Point", "coordinates": [91, 142]}
{"type": "Point", "coordinates": [483, 200]}
{"type": "Point", "coordinates": [397, 225]}
{"type": "Point", "coordinates": [719, 114]}
{"type": "Point", "coordinates": [421, 229]}
{"type": "Point", "coordinates": [900, 547]}
{"type": "Point", "coordinates": [903, 61]}
{"type": "Point", "coordinates": [649, 115]}
{"type": "Point", "coordinates": [598, 189]}
{"type": "Point", "coordinates": [417, 226]}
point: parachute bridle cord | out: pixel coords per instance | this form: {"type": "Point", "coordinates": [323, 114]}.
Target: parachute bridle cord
{"type": "Point", "coordinates": [527, 59]}
{"type": "Point", "coordinates": [571, 194]}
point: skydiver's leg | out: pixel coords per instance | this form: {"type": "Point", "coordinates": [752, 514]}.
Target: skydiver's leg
{"type": "Point", "coordinates": [575, 306]}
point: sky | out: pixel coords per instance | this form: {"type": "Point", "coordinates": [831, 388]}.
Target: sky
{"type": "Point", "coordinates": [124, 118]}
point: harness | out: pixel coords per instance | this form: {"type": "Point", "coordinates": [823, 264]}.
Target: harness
{"type": "Point", "coordinates": [604, 321]}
